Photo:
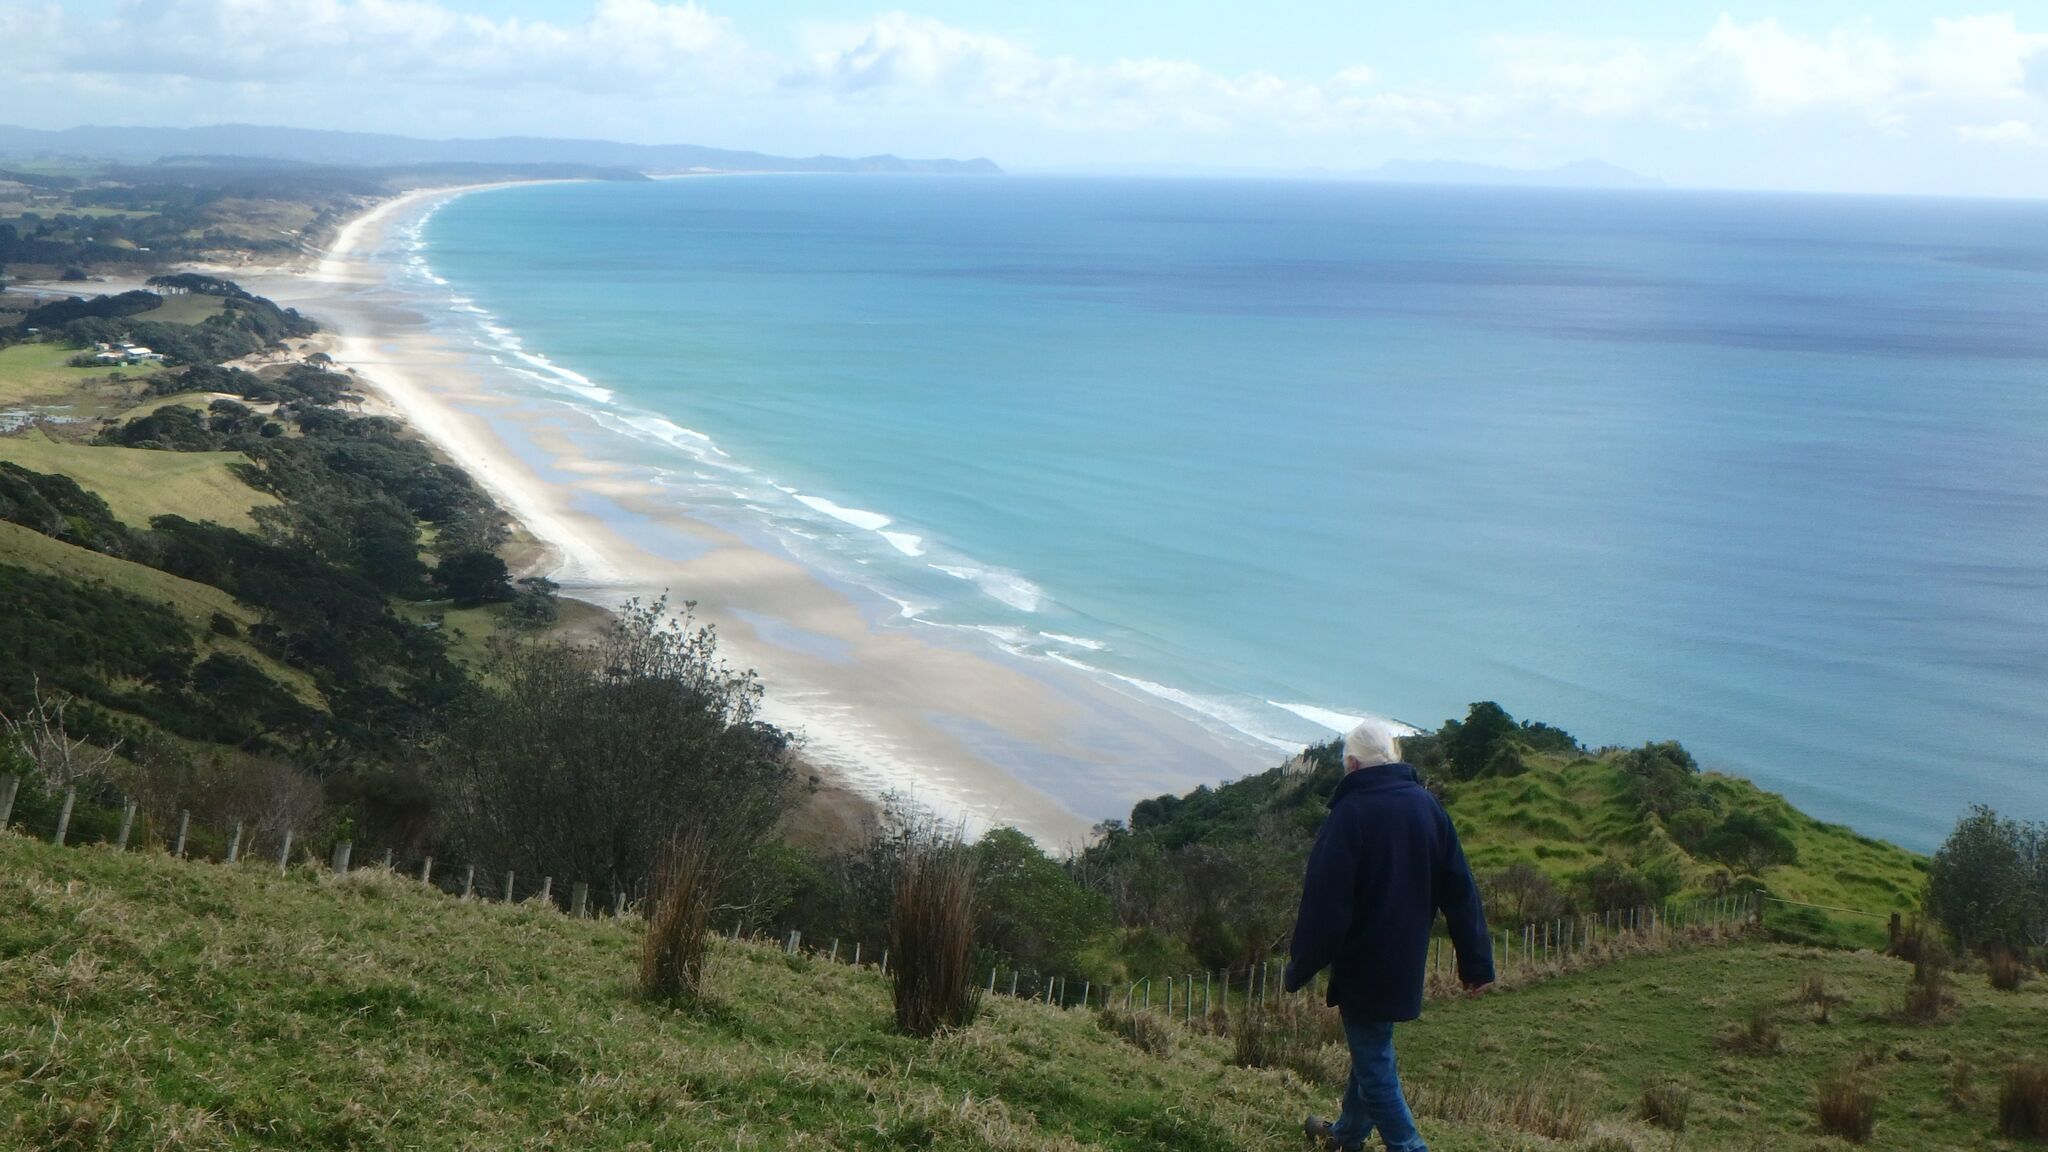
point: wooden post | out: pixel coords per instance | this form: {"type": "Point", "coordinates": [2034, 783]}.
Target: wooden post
{"type": "Point", "coordinates": [547, 889]}
{"type": "Point", "coordinates": [339, 863]}
{"type": "Point", "coordinates": [885, 961]}
{"type": "Point", "coordinates": [991, 980]}
{"type": "Point", "coordinates": [468, 881]}
{"type": "Point", "coordinates": [508, 887]}
{"type": "Point", "coordinates": [235, 844]}
{"type": "Point", "coordinates": [1207, 981]}
{"type": "Point", "coordinates": [1169, 997]}
{"type": "Point", "coordinates": [8, 788]}
{"type": "Point", "coordinates": [834, 957]}
{"type": "Point", "coordinates": [284, 853]}
{"type": "Point", "coordinates": [64, 815]}
{"type": "Point", "coordinates": [619, 904]}
{"type": "Point", "coordinates": [579, 897]}
{"type": "Point", "coordinates": [856, 964]}
{"type": "Point", "coordinates": [1013, 983]}
{"type": "Point", "coordinates": [184, 824]}
{"type": "Point", "coordinates": [1189, 1014]}
{"type": "Point", "coordinates": [1084, 993]}
{"type": "Point", "coordinates": [427, 870]}
{"type": "Point", "coordinates": [127, 825]}
{"type": "Point", "coordinates": [387, 860]}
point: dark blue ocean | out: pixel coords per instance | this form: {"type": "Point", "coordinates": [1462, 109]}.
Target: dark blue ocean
{"type": "Point", "coordinates": [1764, 474]}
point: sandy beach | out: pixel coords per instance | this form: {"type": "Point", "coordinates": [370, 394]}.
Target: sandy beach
{"type": "Point", "coordinates": [886, 705]}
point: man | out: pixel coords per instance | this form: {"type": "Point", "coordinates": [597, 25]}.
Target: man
{"type": "Point", "coordinates": [1386, 862]}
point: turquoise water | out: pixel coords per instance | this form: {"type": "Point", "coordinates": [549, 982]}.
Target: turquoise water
{"type": "Point", "coordinates": [1764, 474]}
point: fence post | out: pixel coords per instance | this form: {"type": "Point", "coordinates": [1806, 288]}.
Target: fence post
{"type": "Point", "coordinates": [8, 788]}
{"type": "Point", "coordinates": [184, 823]}
{"type": "Point", "coordinates": [508, 887]}
{"type": "Point", "coordinates": [1896, 930]}
{"type": "Point", "coordinates": [427, 870]}
{"type": "Point", "coordinates": [468, 881]}
{"type": "Point", "coordinates": [387, 860]}
{"type": "Point", "coordinates": [339, 863]}
{"type": "Point", "coordinates": [619, 904]}
{"type": "Point", "coordinates": [1207, 979]}
{"type": "Point", "coordinates": [885, 961]}
{"type": "Point", "coordinates": [64, 815]}
{"type": "Point", "coordinates": [991, 981]}
{"type": "Point", "coordinates": [834, 957]}
{"type": "Point", "coordinates": [1169, 997]}
{"type": "Point", "coordinates": [579, 896]}
{"type": "Point", "coordinates": [284, 853]}
{"type": "Point", "coordinates": [547, 889]}
{"type": "Point", "coordinates": [235, 844]}
{"type": "Point", "coordinates": [127, 823]}
{"type": "Point", "coordinates": [1084, 993]}
{"type": "Point", "coordinates": [1013, 983]}
{"type": "Point", "coordinates": [856, 964]}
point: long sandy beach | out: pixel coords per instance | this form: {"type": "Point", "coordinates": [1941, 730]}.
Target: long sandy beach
{"type": "Point", "coordinates": [888, 705]}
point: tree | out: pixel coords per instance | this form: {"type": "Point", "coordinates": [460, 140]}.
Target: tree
{"type": "Point", "coordinates": [474, 577]}
{"type": "Point", "coordinates": [1028, 907]}
{"type": "Point", "coordinates": [1470, 744]}
{"type": "Point", "coordinates": [1663, 778]}
{"type": "Point", "coordinates": [1520, 894]}
{"type": "Point", "coordinates": [582, 761]}
{"type": "Point", "coordinates": [1988, 884]}
{"type": "Point", "coordinates": [1747, 841]}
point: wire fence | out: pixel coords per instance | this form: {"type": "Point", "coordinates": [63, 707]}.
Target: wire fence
{"type": "Point", "coordinates": [1533, 951]}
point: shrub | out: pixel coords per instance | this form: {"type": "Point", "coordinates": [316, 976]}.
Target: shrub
{"type": "Point", "coordinates": [931, 931]}
{"type": "Point", "coordinates": [1759, 1034]}
{"type": "Point", "coordinates": [678, 921]}
{"type": "Point", "coordinates": [2023, 1101]}
{"type": "Point", "coordinates": [1848, 1107]}
{"type": "Point", "coordinates": [2006, 971]}
{"type": "Point", "coordinates": [1665, 1105]}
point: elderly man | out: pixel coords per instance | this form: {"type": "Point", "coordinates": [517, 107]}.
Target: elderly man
{"type": "Point", "coordinates": [1386, 862]}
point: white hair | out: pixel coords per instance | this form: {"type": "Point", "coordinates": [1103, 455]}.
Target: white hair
{"type": "Point", "coordinates": [1371, 743]}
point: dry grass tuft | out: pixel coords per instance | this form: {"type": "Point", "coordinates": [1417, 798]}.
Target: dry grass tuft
{"type": "Point", "coordinates": [2023, 1101]}
{"type": "Point", "coordinates": [1145, 1031]}
{"type": "Point", "coordinates": [1847, 1107]}
{"type": "Point", "coordinates": [1962, 1086]}
{"type": "Point", "coordinates": [679, 921]}
{"type": "Point", "coordinates": [1665, 1105]}
{"type": "Point", "coordinates": [2006, 971]}
{"type": "Point", "coordinates": [1552, 1111]}
{"type": "Point", "coordinates": [1759, 1034]}
{"type": "Point", "coordinates": [1293, 1032]}
{"type": "Point", "coordinates": [1928, 995]}
{"type": "Point", "coordinates": [931, 934]}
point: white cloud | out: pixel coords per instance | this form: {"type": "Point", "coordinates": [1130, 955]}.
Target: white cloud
{"type": "Point", "coordinates": [2004, 132]}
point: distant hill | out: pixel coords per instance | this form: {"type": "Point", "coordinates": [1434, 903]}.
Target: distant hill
{"type": "Point", "coordinates": [1577, 174]}
{"type": "Point", "coordinates": [312, 146]}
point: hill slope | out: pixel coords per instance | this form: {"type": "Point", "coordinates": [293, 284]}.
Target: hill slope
{"type": "Point", "coordinates": [151, 1003]}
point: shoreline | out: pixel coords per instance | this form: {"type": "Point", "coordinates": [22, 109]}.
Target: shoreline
{"type": "Point", "coordinates": [980, 737]}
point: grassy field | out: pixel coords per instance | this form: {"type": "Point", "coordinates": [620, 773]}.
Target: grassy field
{"type": "Point", "coordinates": [1565, 815]}
{"type": "Point", "coordinates": [190, 308]}
{"type": "Point", "coordinates": [149, 1003]}
{"type": "Point", "coordinates": [36, 375]}
{"type": "Point", "coordinates": [138, 483]}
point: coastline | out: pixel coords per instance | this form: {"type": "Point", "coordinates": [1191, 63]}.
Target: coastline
{"type": "Point", "coordinates": [884, 706]}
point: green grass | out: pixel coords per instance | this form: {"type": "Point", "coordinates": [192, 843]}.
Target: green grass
{"type": "Point", "coordinates": [149, 1003]}
{"type": "Point", "coordinates": [189, 308]}
{"type": "Point", "coordinates": [1565, 815]}
{"type": "Point", "coordinates": [138, 483]}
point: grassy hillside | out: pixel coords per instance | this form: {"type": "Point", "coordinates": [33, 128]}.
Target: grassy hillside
{"type": "Point", "coordinates": [138, 483]}
{"type": "Point", "coordinates": [148, 1003]}
{"type": "Point", "coordinates": [1566, 814]}
{"type": "Point", "coordinates": [38, 374]}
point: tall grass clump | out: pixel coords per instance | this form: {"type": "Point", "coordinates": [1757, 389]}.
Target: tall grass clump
{"type": "Point", "coordinates": [679, 920]}
{"type": "Point", "coordinates": [931, 933]}
{"type": "Point", "coordinates": [1927, 994]}
{"type": "Point", "coordinates": [1293, 1032]}
{"type": "Point", "coordinates": [2023, 1101]}
{"type": "Point", "coordinates": [1542, 1107]}
{"type": "Point", "coordinates": [1847, 1107]}
{"type": "Point", "coordinates": [1145, 1031]}
{"type": "Point", "coordinates": [2006, 970]}
{"type": "Point", "coordinates": [1759, 1034]}
{"type": "Point", "coordinates": [1665, 1105]}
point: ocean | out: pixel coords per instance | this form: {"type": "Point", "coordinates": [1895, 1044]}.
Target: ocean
{"type": "Point", "coordinates": [1765, 474]}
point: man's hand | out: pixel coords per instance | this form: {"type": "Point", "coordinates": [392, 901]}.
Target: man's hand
{"type": "Point", "coordinates": [1288, 981]}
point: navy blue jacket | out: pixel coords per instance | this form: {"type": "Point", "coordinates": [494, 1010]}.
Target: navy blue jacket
{"type": "Point", "coordinates": [1386, 861]}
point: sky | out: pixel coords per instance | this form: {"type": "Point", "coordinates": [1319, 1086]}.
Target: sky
{"type": "Point", "coordinates": [1816, 95]}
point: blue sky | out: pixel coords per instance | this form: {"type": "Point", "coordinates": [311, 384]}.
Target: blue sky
{"type": "Point", "coordinates": [1817, 94]}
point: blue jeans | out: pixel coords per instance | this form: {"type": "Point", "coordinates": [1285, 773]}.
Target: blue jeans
{"type": "Point", "coordinates": [1373, 1098]}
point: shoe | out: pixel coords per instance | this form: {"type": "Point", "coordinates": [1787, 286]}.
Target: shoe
{"type": "Point", "coordinates": [1317, 1130]}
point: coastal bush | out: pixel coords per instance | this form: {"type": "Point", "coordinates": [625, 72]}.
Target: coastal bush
{"type": "Point", "coordinates": [583, 759]}
{"type": "Point", "coordinates": [1988, 883]}
{"type": "Point", "coordinates": [931, 936]}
